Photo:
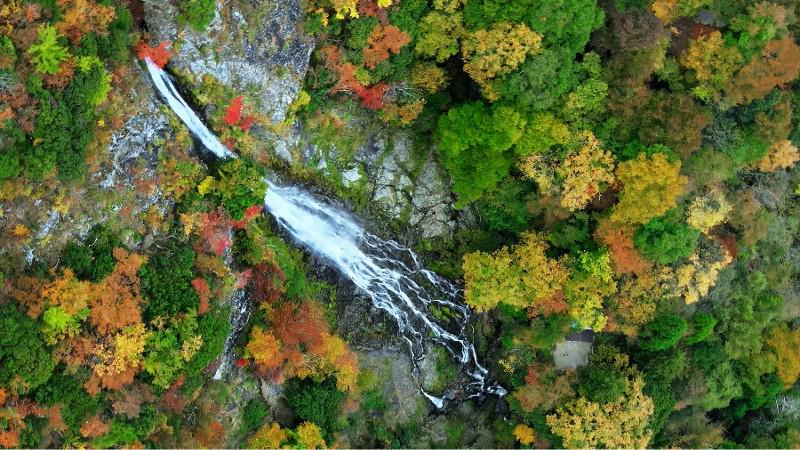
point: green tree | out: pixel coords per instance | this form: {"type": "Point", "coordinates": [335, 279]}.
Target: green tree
{"type": "Point", "coordinates": [590, 282]}
{"type": "Point", "coordinates": [475, 142]}
{"type": "Point", "coordinates": [48, 54]}
{"type": "Point", "coordinates": [319, 403]}
{"type": "Point", "coordinates": [662, 333]}
{"type": "Point", "coordinates": [166, 282]}
{"type": "Point", "coordinates": [539, 83]}
{"type": "Point", "coordinates": [67, 391]}
{"type": "Point", "coordinates": [702, 326]}
{"type": "Point", "coordinates": [667, 238]}
{"type": "Point", "coordinates": [92, 260]}
{"type": "Point", "coordinates": [439, 35]}
{"type": "Point", "coordinates": [238, 186]}
{"type": "Point", "coordinates": [563, 23]}
{"type": "Point", "coordinates": [601, 383]}
{"type": "Point", "coordinates": [25, 362]}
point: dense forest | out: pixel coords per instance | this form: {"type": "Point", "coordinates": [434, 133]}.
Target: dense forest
{"type": "Point", "coordinates": [618, 169]}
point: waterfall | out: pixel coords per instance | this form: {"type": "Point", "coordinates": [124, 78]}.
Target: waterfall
{"type": "Point", "coordinates": [390, 274]}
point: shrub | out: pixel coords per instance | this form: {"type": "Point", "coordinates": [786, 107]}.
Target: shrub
{"type": "Point", "coordinates": [214, 327]}
{"type": "Point", "coordinates": [198, 13]}
{"type": "Point", "coordinates": [238, 186]}
{"type": "Point", "coordinates": [255, 411]}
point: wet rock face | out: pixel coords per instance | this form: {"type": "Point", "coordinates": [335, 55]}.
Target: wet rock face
{"type": "Point", "coordinates": [408, 186]}
{"type": "Point", "coordinates": [255, 47]}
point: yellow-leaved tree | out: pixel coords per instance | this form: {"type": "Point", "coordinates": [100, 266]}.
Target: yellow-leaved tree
{"type": "Point", "coordinates": [782, 155]}
{"type": "Point", "coordinates": [651, 187]}
{"type": "Point", "coordinates": [268, 436]}
{"type": "Point", "coordinates": [783, 344]}
{"type": "Point", "coordinates": [518, 277]}
{"type": "Point", "coordinates": [713, 62]}
{"type": "Point", "coordinates": [708, 210]}
{"type": "Point", "coordinates": [497, 51]}
{"type": "Point", "coordinates": [622, 423]}
{"type": "Point", "coordinates": [585, 172]}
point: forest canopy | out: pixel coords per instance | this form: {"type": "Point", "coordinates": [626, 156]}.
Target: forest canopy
{"type": "Point", "coordinates": [618, 176]}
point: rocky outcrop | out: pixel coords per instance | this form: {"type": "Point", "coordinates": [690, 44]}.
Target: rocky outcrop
{"type": "Point", "coordinates": [135, 140]}
{"type": "Point", "coordinates": [120, 183]}
{"type": "Point", "coordinates": [409, 186]}
{"type": "Point", "coordinates": [254, 47]}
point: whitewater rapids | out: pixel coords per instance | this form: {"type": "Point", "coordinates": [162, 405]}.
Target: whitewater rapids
{"type": "Point", "coordinates": [390, 274]}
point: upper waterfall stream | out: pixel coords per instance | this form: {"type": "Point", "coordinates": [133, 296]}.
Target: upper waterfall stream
{"type": "Point", "coordinates": [390, 274]}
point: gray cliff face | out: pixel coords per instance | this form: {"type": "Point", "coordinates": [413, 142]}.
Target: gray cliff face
{"type": "Point", "coordinates": [408, 185]}
{"type": "Point", "coordinates": [255, 47]}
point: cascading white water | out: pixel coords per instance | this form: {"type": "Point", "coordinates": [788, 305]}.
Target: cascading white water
{"type": "Point", "coordinates": [391, 275]}
{"type": "Point", "coordinates": [181, 109]}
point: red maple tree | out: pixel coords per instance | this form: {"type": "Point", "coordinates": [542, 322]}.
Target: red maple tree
{"type": "Point", "coordinates": [233, 115]}
{"type": "Point", "coordinates": [158, 54]}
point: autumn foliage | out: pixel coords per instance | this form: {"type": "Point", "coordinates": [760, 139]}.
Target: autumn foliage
{"type": "Point", "coordinates": [299, 344]}
{"type": "Point", "coordinates": [383, 40]}
{"type": "Point", "coordinates": [233, 115]}
{"type": "Point", "coordinates": [159, 54]}
{"type": "Point", "coordinates": [83, 16]}
{"type": "Point", "coordinates": [117, 301]}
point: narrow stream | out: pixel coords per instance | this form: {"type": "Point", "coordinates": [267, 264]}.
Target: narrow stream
{"type": "Point", "coordinates": [390, 274]}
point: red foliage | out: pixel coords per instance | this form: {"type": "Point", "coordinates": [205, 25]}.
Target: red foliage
{"type": "Point", "coordinates": [111, 381]}
{"type": "Point", "coordinates": [9, 439]}
{"type": "Point", "coordinates": [532, 375]}
{"type": "Point", "coordinates": [242, 362]}
{"type": "Point", "coordinates": [159, 54]}
{"type": "Point", "coordinates": [268, 283]}
{"type": "Point", "coordinates": [201, 287]}
{"type": "Point", "coordinates": [215, 229]}
{"type": "Point", "coordinates": [211, 435]}
{"type": "Point", "coordinates": [372, 97]}
{"type": "Point", "coordinates": [234, 112]}
{"type": "Point", "coordinates": [556, 303]}
{"type": "Point", "coordinates": [619, 240]}
{"type": "Point", "coordinates": [233, 115]}
{"type": "Point", "coordinates": [172, 399]}
{"type": "Point", "coordinates": [297, 325]}
{"type": "Point", "coordinates": [247, 122]}
{"type": "Point", "coordinates": [243, 277]}
{"type": "Point", "coordinates": [32, 13]}
{"type": "Point", "coordinates": [115, 302]}
{"type": "Point", "coordinates": [370, 8]}
{"type": "Point", "coordinates": [249, 214]}
{"type": "Point", "coordinates": [384, 39]}
{"type": "Point", "coordinates": [94, 427]}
